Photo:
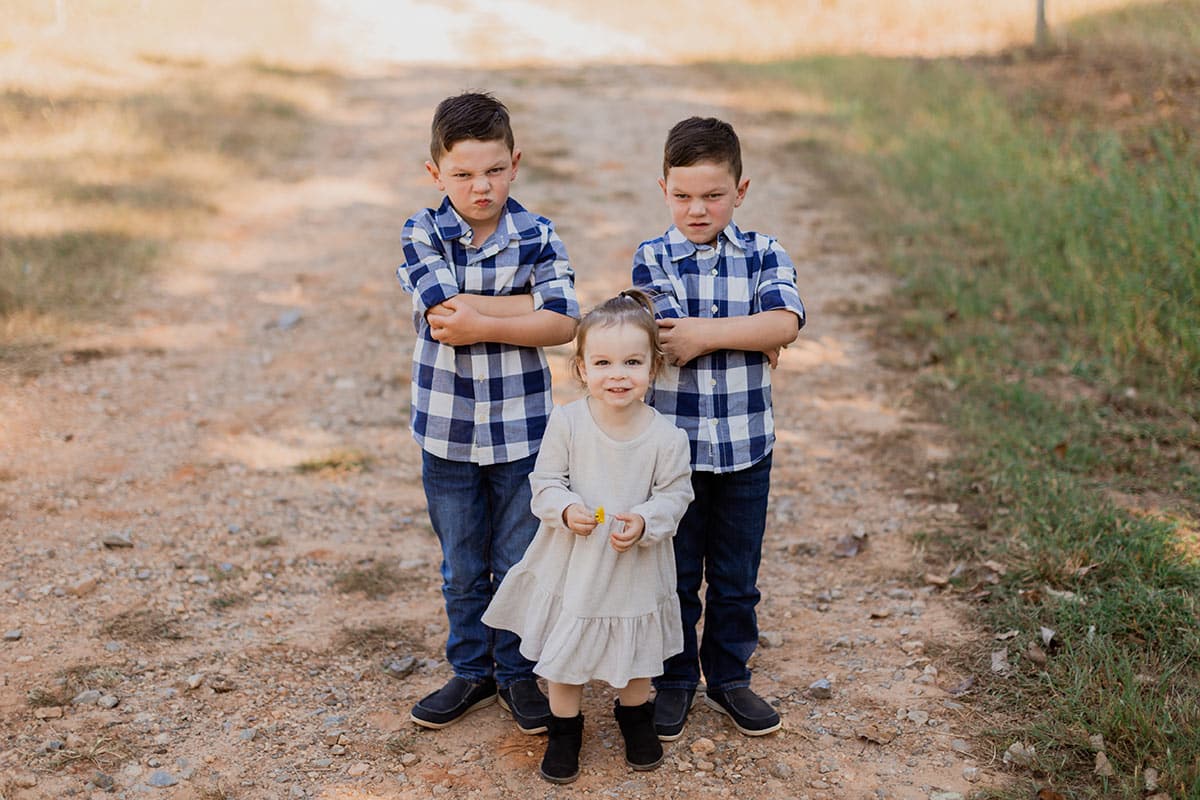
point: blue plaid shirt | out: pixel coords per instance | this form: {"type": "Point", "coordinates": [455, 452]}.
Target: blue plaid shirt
{"type": "Point", "coordinates": [722, 399]}
{"type": "Point", "coordinates": [486, 403]}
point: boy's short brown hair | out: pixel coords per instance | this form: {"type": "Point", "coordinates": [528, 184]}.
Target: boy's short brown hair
{"type": "Point", "coordinates": [698, 139]}
{"type": "Point", "coordinates": [470, 115]}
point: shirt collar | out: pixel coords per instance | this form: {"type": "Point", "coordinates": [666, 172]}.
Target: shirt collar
{"type": "Point", "coordinates": [515, 222]}
{"type": "Point", "coordinates": [679, 246]}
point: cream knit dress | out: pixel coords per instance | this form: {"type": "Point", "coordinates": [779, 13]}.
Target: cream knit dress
{"type": "Point", "coordinates": [584, 611]}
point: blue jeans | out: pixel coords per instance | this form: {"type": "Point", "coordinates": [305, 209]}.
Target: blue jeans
{"type": "Point", "coordinates": [481, 517]}
{"type": "Point", "coordinates": [720, 539]}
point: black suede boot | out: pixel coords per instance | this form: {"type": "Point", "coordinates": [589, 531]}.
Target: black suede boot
{"type": "Point", "coordinates": [561, 762]}
{"type": "Point", "coordinates": [643, 751]}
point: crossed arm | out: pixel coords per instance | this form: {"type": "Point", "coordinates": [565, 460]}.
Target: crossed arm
{"type": "Point", "coordinates": [686, 338]}
{"type": "Point", "coordinates": [509, 319]}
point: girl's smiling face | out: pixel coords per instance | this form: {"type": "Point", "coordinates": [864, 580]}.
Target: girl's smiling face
{"type": "Point", "coordinates": [616, 365]}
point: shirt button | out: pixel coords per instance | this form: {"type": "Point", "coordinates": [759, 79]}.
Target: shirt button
{"type": "Point", "coordinates": [714, 272]}
{"type": "Point", "coordinates": [714, 308]}
{"type": "Point", "coordinates": [713, 422]}
{"type": "Point", "coordinates": [714, 381]}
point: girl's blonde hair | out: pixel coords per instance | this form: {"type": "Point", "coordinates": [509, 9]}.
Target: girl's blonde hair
{"type": "Point", "coordinates": [630, 307]}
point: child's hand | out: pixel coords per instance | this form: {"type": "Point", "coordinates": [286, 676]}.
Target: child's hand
{"type": "Point", "coordinates": [682, 339]}
{"type": "Point", "coordinates": [579, 519]}
{"type": "Point", "coordinates": [455, 323]}
{"type": "Point", "coordinates": [773, 356]}
{"type": "Point", "coordinates": [629, 533]}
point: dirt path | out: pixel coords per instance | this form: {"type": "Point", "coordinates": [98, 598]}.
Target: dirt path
{"type": "Point", "coordinates": [280, 338]}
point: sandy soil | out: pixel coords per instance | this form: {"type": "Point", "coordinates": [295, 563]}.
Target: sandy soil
{"type": "Point", "coordinates": [279, 337]}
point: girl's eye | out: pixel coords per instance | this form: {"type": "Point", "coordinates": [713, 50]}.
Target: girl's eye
{"type": "Point", "coordinates": [633, 362]}
{"type": "Point", "coordinates": [601, 362]}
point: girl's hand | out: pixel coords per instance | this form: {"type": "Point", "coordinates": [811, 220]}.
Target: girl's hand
{"type": "Point", "coordinates": [629, 534]}
{"type": "Point", "coordinates": [578, 519]}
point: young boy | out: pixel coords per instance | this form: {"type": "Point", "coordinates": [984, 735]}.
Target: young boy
{"type": "Point", "coordinates": [726, 302]}
{"type": "Point", "coordinates": [491, 286]}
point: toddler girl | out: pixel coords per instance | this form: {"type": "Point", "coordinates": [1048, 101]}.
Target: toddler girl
{"type": "Point", "coordinates": [594, 597]}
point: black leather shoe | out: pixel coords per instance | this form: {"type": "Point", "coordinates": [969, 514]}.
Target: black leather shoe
{"type": "Point", "coordinates": [751, 714]}
{"type": "Point", "coordinates": [448, 704]}
{"type": "Point", "coordinates": [671, 707]}
{"type": "Point", "coordinates": [529, 707]}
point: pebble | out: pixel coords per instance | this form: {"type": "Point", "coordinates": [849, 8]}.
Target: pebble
{"type": "Point", "coordinates": [13, 635]}
{"type": "Point", "coordinates": [970, 774]}
{"type": "Point", "coordinates": [86, 698]}
{"type": "Point", "coordinates": [820, 689]}
{"type": "Point", "coordinates": [770, 638]}
{"type": "Point", "coordinates": [117, 540]}
{"type": "Point", "coordinates": [400, 667]}
{"type": "Point", "coordinates": [1019, 754]}
{"type": "Point", "coordinates": [53, 712]}
{"type": "Point", "coordinates": [945, 796]}
{"type": "Point", "coordinates": [248, 734]}
{"type": "Point", "coordinates": [781, 770]}
{"type": "Point", "coordinates": [161, 779]}
{"type": "Point", "coordinates": [960, 746]}
{"type": "Point", "coordinates": [918, 716]}
{"type": "Point", "coordinates": [361, 768]}
{"type": "Point", "coordinates": [288, 319]}
{"type": "Point", "coordinates": [703, 746]}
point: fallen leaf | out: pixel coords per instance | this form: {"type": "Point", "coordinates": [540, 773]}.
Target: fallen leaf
{"type": "Point", "coordinates": [1000, 664]}
{"type": "Point", "coordinates": [962, 687]}
{"type": "Point", "coordinates": [1036, 654]}
{"type": "Point", "coordinates": [1000, 637]}
{"type": "Point", "coordinates": [1096, 742]}
{"type": "Point", "coordinates": [878, 734]}
{"type": "Point", "coordinates": [1060, 449]}
{"type": "Point", "coordinates": [849, 545]}
{"type": "Point", "coordinates": [1047, 635]}
{"type": "Point", "coordinates": [881, 613]}
{"type": "Point", "coordinates": [1103, 768]}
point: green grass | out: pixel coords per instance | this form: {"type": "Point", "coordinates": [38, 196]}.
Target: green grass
{"type": "Point", "coordinates": [1051, 270]}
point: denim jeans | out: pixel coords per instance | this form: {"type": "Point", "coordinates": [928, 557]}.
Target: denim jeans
{"type": "Point", "coordinates": [481, 517]}
{"type": "Point", "coordinates": [720, 539]}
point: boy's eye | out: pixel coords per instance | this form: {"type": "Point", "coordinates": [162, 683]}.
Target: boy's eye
{"type": "Point", "coordinates": [495, 170]}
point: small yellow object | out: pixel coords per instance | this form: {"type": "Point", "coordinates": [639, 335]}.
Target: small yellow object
{"type": "Point", "coordinates": [599, 514]}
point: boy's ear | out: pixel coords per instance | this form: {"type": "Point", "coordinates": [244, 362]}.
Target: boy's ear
{"type": "Point", "coordinates": [662, 182]}
{"type": "Point", "coordinates": [436, 174]}
{"type": "Point", "coordinates": [741, 192]}
{"type": "Point", "coordinates": [516, 159]}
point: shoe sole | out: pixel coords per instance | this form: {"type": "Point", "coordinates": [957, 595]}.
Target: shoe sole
{"type": "Point", "coordinates": [713, 704]}
{"type": "Point", "coordinates": [424, 723]}
{"type": "Point", "coordinates": [559, 781]}
{"type": "Point", "coordinates": [646, 767]}
{"type": "Point", "coordinates": [529, 731]}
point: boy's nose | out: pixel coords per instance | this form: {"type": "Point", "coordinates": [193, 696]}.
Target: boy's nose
{"type": "Point", "coordinates": [482, 184]}
{"type": "Point", "coordinates": [696, 208]}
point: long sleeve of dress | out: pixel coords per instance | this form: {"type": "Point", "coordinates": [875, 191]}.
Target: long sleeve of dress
{"type": "Point", "coordinates": [671, 493]}
{"type": "Point", "coordinates": [550, 480]}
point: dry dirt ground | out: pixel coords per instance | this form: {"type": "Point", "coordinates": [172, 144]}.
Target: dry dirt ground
{"type": "Point", "coordinates": [234, 635]}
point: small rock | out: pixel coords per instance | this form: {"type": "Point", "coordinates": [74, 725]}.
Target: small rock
{"type": "Point", "coordinates": [781, 771]}
{"type": "Point", "coordinates": [1096, 741]}
{"type": "Point", "coordinates": [705, 766]}
{"type": "Point", "coordinates": [361, 768]}
{"type": "Point", "coordinates": [912, 646]}
{"type": "Point", "coordinates": [770, 638]}
{"type": "Point", "coordinates": [400, 667]}
{"type": "Point", "coordinates": [970, 774]}
{"type": "Point", "coordinates": [248, 734]}
{"type": "Point", "coordinates": [918, 716]}
{"type": "Point", "coordinates": [960, 745]}
{"type": "Point", "coordinates": [1020, 754]}
{"type": "Point", "coordinates": [703, 746]}
{"type": "Point", "coordinates": [117, 540]}
{"type": "Point", "coordinates": [53, 712]}
{"type": "Point", "coordinates": [288, 319]}
{"type": "Point", "coordinates": [25, 780]}
{"type": "Point", "coordinates": [161, 779]}
{"type": "Point", "coordinates": [820, 689]}
{"type": "Point", "coordinates": [13, 635]}
{"type": "Point", "coordinates": [86, 698]}
{"type": "Point", "coordinates": [83, 586]}
{"type": "Point", "coordinates": [945, 796]}
{"type": "Point", "coordinates": [102, 781]}
{"type": "Point", "coordinates": [1150, 778]}
{"type": "Point", "coordinates": [195, 680]}
{"type": "Point", "coordinates": [1000, 664]}
{"type": "Point", "coordinates": [1103, 768]}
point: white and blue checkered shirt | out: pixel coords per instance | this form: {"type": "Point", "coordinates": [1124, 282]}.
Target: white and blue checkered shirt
{"type": "Point", "coordinates": [486, 403]}
{"type": "Point", "coordinates": [722, 399]}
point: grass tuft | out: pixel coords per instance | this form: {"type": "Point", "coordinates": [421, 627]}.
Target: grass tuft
{"type": "Point", "coordinates": [378, 579]}
{"type": "Point", "coordinates": [142, 625]}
